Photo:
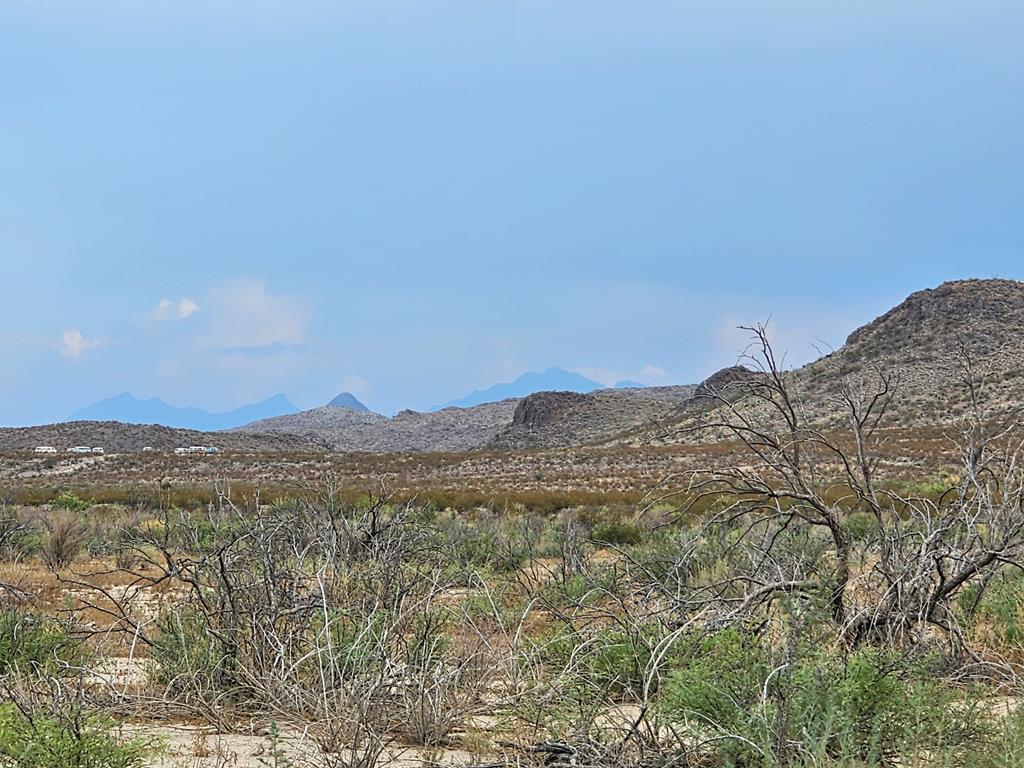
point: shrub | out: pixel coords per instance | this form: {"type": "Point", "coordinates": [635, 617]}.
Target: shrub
{"type": "Point", "coordinates": [871, 707]}
{"type": "Point", "coordinates": [501, 546]}
{"type": "Point", "coordinates": [441, 686]}
{"type": "Point", "coordinates": [617, 532]}
{"type": "Point", "coordinates": [1005, 751]}
{"type": "Point", "coordinates": [859, 526]}
{"type": "Point", "coordinates": [70, 502]}
{"type": "Point", "coordinates": [65, 540]}
{"type": "Point", "coordinates": [717, 691]}
{"type": "Point", "coordinates": [38, 741]}
{"type": "Point", "coordinates": [18, 538]}
{"type": "Point", "coordinates": [185, 658]}
{"type": "Point", "coordinates": [350, 645]}
{"type": "Point", "coordinates": [618, 659]}
{"type": "Point", "coordinates": [30, 641]}
{"type": "Point", "coordinates": [997, 611]}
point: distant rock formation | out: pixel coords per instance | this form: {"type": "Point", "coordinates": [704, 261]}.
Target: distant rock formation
{"type": "Point", "coordinates": [726, 384]}
{"type": "Point", "coordinates": [544, 408]}
{"type": "Point", "coordinates": [348, 400]}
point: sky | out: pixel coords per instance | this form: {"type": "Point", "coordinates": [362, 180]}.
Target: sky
{"type": "Point", "coordinates": [212, 202]}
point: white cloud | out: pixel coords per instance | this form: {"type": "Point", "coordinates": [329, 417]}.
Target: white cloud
{"type": "Point", "coordinates": [163, 309]}
{"type": "Point", "coordinates": [186, 307]}
{"type": "Point", "coordinates": [182, 308]}
{"type": "Point", "coordinates": [73, 343]}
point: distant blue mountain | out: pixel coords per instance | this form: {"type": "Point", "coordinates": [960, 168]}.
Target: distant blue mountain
{"type": "Point", "coordinates": [348, 400]}
{"type": "Point", "coordinates": [553, 379]}
{"type": "Point", "coordinates": [131, 410]}
{"type": "Point", "coordinates": [627, 384]}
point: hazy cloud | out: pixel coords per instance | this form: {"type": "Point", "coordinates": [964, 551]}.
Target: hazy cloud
{"type": "Point", "coordinates": [73, 343]}
{"type": "Point", "coordinates": [186, 307]}
{"type": "Point", "coordinates": [182, 308]}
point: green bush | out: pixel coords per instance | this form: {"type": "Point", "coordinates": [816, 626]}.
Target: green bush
{"type": "Point", "coordinates": [859, 526]}
{"type": "Point", "coordinates": [1006, 750]}
{"type": "Point", "coordinates": [874, 706]}
{"type": "Point", "coordinates": [499, 545]}
{"type": "Point", "coordinates": [70, 502]}
{"type": "Point", "coordinates": [29, 641]}
{"type": "Point", "coordinates": [1000, 610]}
{"type": "Point", "coordinates": [717, 692]}
{"type": "Point", "coordinates": [819, 708]}
{"type": "Point", "coordinates": [37, 741]}
{"type": "Point", "coordinates": [16, 535]}
{"type": "Point", "coordinates": [354, 646]}
{"type": "Point", "coordinates": [617, 659]}
{"type": "Point", "coordinates": [617, 532]}
{"type": "Point", "coordinates": [185, 656]}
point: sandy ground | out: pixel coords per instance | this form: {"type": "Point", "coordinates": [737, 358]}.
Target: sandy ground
{"type": "Point", "coordinates": [190, 746]}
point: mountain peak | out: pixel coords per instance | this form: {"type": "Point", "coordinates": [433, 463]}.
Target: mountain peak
{"type": "Point", "coordinates": [348, 400]}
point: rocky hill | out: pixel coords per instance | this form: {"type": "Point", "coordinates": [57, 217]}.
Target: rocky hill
{"type": "Point", "coordinates": [450, 429]}
{"type": "Point", "coordinates": [923, 343]}
{"type": "Point", "coordinates": [115, 437]}
{"type": "Point", "coordinates": [544, 419]}
{"type": "Point", "coordinates": [563, 419]}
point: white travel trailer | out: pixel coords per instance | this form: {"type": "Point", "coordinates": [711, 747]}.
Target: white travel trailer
{"type": "Point", "coordinates": [196, 449]}
{"type": "Point", "coordinates": [45, 449]}
{"type": "Point", "coordinates": [98, 449]}
{"type": "Point", "coordinates": [80, 449]}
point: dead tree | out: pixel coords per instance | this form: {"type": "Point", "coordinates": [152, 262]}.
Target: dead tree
{"type": "Point", "coordinates": [799, 478]}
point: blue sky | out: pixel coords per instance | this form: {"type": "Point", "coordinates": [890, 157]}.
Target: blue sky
{"type": "Point", "coordinates": [211, 202]}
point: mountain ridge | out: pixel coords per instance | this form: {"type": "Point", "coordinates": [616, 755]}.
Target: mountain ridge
{"type": "Point", "coordinates": [125, 408]}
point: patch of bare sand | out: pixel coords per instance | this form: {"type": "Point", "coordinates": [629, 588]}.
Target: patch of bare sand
{"type": "Point", "coordinates": [190, 746]}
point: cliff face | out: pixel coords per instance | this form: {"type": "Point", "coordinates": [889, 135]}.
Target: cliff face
{"type": "Point", "coordinates": [545, 408]}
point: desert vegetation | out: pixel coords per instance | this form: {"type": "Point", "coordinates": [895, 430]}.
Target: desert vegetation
{"type": "Point", "coordinates": [793, 604]}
